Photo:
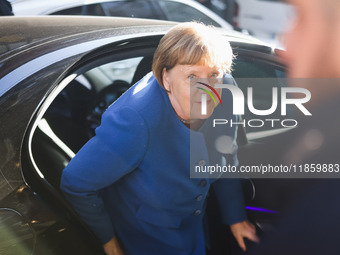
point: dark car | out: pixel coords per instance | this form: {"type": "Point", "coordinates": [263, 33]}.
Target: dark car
{"type": "Point", "coordinates": [57, 76]}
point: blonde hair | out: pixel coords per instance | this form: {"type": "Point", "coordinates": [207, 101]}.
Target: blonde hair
{"type": "Point", "coordinates": [192, 43]}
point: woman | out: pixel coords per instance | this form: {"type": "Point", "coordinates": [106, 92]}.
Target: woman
{"type": "Point", "coordinates": [131, 183]}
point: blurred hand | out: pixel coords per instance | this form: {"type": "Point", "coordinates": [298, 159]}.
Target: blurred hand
{"type": "Point", "coordinates": [242, 230]}
{"type": "Point", "coordinates": [112, 247]}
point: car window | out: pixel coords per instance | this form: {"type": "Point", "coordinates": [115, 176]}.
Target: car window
{"type": "Point", "coordinates": [105, 75]}
{"type": "Point", "coordinates": [180, 12]}
{"type": "Point", "coordinates": [262, 76]}
{"type": "Point", "coordinates": [109, 81]}
{"type": "Point", "coordinates": [90, 9]}
{"type": "Point", "coordinates": [71, 119]}
{"type": "Point", "coordinates": [136, 9]}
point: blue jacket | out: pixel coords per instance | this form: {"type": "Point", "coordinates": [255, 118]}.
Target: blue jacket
{"type": "Point", "coordinates": [133, 178]}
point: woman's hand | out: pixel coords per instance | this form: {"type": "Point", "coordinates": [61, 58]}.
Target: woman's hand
{"type": "Point", "coordinates": [112, 247]}
{"type": "Point", "coordinates": [244, 229]}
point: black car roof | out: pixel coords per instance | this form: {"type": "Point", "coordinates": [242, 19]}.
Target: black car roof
{"type": "Point", "coordinates": [18, 32]}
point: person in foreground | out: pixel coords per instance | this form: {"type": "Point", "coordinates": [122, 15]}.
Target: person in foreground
{"type": "Point", "coordinates": [311, 225]}
{"type": "Point", "coordinates": [131, 183]}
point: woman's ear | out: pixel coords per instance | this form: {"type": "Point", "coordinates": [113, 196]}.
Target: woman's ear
{"type": "Point", "coordinates": [166, 79]}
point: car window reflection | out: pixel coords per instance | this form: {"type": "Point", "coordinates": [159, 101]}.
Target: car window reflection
{"type": "Point", "coordinates": [71, 119]}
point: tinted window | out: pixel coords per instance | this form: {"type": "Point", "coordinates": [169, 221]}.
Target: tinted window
{"type": "Point", "coordinates": [136, 9]}
{"type": "Point", "coordinates": [176, 11]}
{"type": "Point", "coordinates": [91, 9]}
{"type": "Point", "coordinates": [262, 76]}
